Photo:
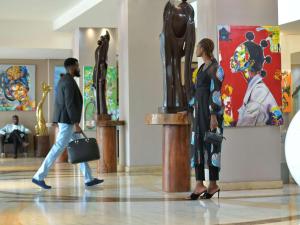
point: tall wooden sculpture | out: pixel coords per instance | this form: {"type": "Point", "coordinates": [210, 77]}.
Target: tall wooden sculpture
{"type": "Point", "coordinates": [177, 41]}
{"type": "Point", "coordinates": [41, 138]}
{"type": "Point", "coordinates": [106, 128]}
{"type": "Point", "coordinates": [99, 76]}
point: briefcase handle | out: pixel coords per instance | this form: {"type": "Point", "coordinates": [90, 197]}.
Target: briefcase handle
{"type": "Point", "coordinates": [83, 134]}
{"type": "Point", "coordinates": [218, 131]}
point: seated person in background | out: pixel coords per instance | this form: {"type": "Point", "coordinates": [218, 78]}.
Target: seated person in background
{"type": "Point", "coordinates": [14, 133]}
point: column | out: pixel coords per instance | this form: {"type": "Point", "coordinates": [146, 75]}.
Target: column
{"type": "Point", "coordinates": [140, 81]}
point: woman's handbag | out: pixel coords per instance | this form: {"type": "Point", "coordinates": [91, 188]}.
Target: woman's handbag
{"type": "Point", "coordinates": [83, 150]}
{"type": "Point", "coordinates": [215, 138]}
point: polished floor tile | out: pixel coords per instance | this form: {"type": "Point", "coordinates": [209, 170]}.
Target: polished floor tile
{"type": "Point", "coordinates": [126, 199]}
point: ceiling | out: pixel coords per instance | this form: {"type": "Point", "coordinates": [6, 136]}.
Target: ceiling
{"type": "Point", "coordinates": [103, 14]}
{"type": "Point", "coordinates": [68, 14]}
{"type": "Point", "coordinates": [292, 28]}
{"type": "Point", "coordinates": [34, 9]}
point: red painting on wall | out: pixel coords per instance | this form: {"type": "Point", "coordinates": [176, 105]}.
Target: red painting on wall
{"type": "Point", "coordinates": [251, 59]}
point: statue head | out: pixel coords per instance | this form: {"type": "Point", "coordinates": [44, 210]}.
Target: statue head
{"type": "Point", "coordinates": [249, 58]}
{"type": "Point", "coordinates": [104, 38]}
{"type": "Point", "coordinates": [46, 88]}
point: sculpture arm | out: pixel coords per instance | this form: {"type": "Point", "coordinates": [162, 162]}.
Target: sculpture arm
{"type": "Point", "coordinates": [96, 68]}
{"type": "Point", "coordinates": [95, 77]}
{"type": "Point", "coordinates": [189, 51]}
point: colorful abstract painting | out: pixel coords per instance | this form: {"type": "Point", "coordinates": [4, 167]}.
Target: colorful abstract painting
{"type": "Point", "coordinates": [17, 87]}
{"type": "Point", "coordinates": [112, 92]}
{"type": "Point", "coordinates": [89, 100]}
{"type": "Point", "coordinates": [89, 96]}
{"type": "Point", "coordinates": [58, 72]}
{"type": "Point", "coordinates": [251, 59]}
{"type": "Point", "coordinates": [287, 100]}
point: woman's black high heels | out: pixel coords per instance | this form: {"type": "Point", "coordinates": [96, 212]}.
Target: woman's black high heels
{"type": "Point", "coordinates": [209, 196]}
{"type": "Point", "coordinates": [195, 196]}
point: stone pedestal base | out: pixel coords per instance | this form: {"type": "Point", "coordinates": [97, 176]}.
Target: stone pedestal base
{"type": "Point", "coordinates": [107, 141]}
{"type": "Point", "coordinates": [41, 146]}
{"type": "Point", "coordinates": [175, 150]}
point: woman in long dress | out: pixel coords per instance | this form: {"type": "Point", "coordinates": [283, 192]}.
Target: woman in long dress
{"type": "Point", "coordinates": [208, 116]}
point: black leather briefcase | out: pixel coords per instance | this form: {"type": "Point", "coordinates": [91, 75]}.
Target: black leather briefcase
{"type": "Point", "coordinates": [83, 150]}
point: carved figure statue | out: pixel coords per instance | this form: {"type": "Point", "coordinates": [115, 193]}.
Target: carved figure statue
{"type": "Point", "coordinates": [100, 72]}
{"type": "Point", "coordinates": [177, 41]}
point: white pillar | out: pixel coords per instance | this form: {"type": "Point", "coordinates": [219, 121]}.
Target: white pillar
{"type": "Point", "coordinates": [140, 80]}
{"type": "Point", "coordinates": [207, 25]}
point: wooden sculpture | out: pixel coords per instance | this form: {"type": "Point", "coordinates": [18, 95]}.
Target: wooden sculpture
{"type": "Point", "coordinates": [40, 128]}
{"type": "Point", "coordinates": [177, 41]}
{"type": "Point", "coordinates": [100, 72]}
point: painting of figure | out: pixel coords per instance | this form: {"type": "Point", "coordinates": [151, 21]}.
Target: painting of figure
{"type": "Point", "coordinates": [251, 59]}
{"type": "Point", "coordinates": [59, 71]}
{"type": "Point", "coordinates": [112, 92]}
{"type": "Point", "coordinates": [89, 96]}
{"type": "Point", "coordinates": [17, 87]}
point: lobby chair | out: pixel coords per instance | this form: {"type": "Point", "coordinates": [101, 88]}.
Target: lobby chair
{"type": "Point", "coordinates": [7, 148]}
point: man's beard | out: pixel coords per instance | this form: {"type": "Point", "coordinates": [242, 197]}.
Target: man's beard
{"type": "Point", "coordinates": [77, 74]}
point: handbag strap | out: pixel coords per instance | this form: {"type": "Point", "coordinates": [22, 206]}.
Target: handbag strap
{"type": "Point", "coordinates": [219, 132]}
{"type": "Point", "coordinates": [82, 133]}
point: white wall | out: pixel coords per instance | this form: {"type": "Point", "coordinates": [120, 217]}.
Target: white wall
{"type": "Point", "coordinates": [88, 38]}
{"type": "Point", "coordinates": [289, 44]}
{"type": "Point", "coordinates": [141, 79]}
{"type": "Point", "coordinates": [240, 12]}
{"type": "Point", "coordinates": [288, 11]}
{"type": "Point", "coordinates": [33, 35]}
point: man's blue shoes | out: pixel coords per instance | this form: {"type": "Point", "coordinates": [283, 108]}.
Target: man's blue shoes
{"type": "Point", "coordinates": [41, 184]}
{"type": "Point", "coordinates": [94, 182]}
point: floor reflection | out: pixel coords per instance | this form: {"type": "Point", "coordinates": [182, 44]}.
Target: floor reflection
{"type": "Point", "coordinates": [134, 199]}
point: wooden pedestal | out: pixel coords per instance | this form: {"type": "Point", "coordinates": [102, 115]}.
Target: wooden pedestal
{"type": "Point", "coordinates": [41, 146]}
{"type": "Point", "coordinates": [175, 149]}
{"type": "Point", "coordinates": [107, 141]}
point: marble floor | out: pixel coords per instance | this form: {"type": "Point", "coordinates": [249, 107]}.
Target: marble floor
{"type": "Point", "coordinates": [134, 199]}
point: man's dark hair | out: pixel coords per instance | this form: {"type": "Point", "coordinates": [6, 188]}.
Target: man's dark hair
{"type": "Point", "coordinates": [70, 62]}
{"type": "Point", "coordinates": [15, 117]}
